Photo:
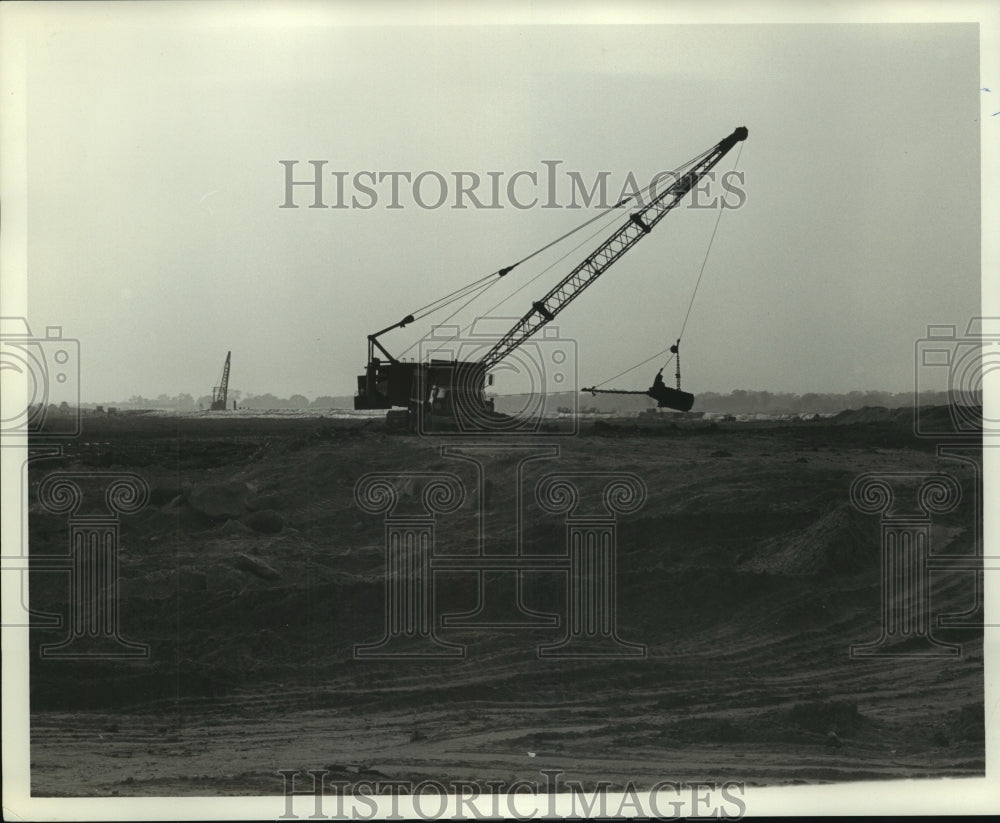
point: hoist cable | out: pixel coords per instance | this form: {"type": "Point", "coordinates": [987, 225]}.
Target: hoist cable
{"type": "Point", "coordinates": [693, 293]}
{"type": "Point", "coordinates": [708, 251]}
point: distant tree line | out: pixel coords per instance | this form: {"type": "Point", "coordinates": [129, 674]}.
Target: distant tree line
{"type": "Point", "coordinates": [185, 402]}
{"type": "Point", "coordinates": [741, 401]}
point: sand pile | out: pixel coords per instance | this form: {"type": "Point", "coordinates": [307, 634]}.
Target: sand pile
{"type": "Point", "coordinates": [842, 541]}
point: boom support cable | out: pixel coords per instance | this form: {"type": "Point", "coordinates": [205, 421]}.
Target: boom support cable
{"type": "Point", "coordinates": [458, 294]}
{"type": "Point", "coordinates": [479, 287]}
{"type": "Point", "coordinates": [547, 269]}
{"type": "Point", "coordinates": [606, 210]}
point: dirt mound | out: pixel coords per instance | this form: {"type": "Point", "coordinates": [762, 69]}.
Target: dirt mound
{"type": "Point", "coordinates": [872, 414]}
{"type": "Point", "coordinates": [809, 723]}
{"type": "Point", "coordinates": [162, 492]}
{"type": "Point", "coordinates": [265, 521]}
{"type": "Point", "coordinates": [926, 419]}
{"type": "Point", "coordinates": [947, 419]}
{"type": "Point", "coordinates": [842, 541]}
{"type": "Point", "coordinates": [736, 573]}
{"type": "Point", "coordinates": [255, 566]}
{"type": "Point", "coordinates": [969, 723]}
{"type": "Point", "coordinates": [841, 716]}
{"type": "Point", "coordinates": [219, 501]}
{"type": "Point", "coordinates": [266, 501]}
{"type": "Point", "coordinates": [233, 528]}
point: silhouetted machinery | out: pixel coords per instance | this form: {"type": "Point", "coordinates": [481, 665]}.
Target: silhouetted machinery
{"type": "Point", "coordinates": [665, 397]}
{"type": "Point", "coordinates": [220, 392]}
{"type": "Point", "coordinates": [454, 387]}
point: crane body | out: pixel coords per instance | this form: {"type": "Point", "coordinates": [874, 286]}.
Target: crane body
{"type": "Point", "coordinates": [450, 387]}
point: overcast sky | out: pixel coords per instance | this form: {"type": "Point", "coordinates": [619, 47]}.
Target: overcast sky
{"type": "Point", "coordinates": [155, 234]}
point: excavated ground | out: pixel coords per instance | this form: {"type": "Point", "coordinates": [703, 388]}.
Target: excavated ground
{"type": "Point", "coordinates": [252, 573]}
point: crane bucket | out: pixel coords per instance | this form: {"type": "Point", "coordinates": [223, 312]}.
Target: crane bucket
{"type": "Point", "coordinates": [668, 398]}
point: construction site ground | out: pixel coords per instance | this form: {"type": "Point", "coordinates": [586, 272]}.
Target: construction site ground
{"type": "Point", "coordinates": [252, 574]}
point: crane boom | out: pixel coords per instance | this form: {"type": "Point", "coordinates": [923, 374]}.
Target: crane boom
{"type": "Point", "coordinates": [640, 223]}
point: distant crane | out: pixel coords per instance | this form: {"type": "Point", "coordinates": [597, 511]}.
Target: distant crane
{"type": "Point", "coordinates": [219, 392]}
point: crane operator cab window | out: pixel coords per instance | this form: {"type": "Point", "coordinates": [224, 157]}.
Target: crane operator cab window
{"type": "Point", "coordinates": [439, 398]}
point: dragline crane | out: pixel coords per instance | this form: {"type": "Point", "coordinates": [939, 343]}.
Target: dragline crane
{"type": "Point", "coordinates": [453, 386]}
{"type": "Point", "coordinates": [220, 392]}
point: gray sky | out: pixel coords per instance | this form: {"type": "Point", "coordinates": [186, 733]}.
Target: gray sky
{"type": "Point", "coordinates": [155, 235]}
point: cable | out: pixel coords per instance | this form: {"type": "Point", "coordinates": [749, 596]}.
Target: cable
{"type": "Point", "coordinates": [478, 287]}
{"type": "Point", "coordinates": [483, 288]}
{"type": "Point", "coordinates": [520, 288]}
{"type": "Point", "coordinates": [441, 302]}
{"type": "Point", "coordinates": [617, 205]}
{"type": "Point", "coordinates": [632, 368]}
{"type": "Point", "coordinates": [548, 268]}
{"type": "Point", "coordinates": [708, 251]}
{"type": "Point", "coordinates": [524, 285]}
{"type": "Point", "coordinates": [502, 272]}
{"type": "Point", "coordinates": [694, 293]}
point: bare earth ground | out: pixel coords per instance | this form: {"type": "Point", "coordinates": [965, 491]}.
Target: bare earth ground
{"type": "Point", "coordinates": [747, 574]}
